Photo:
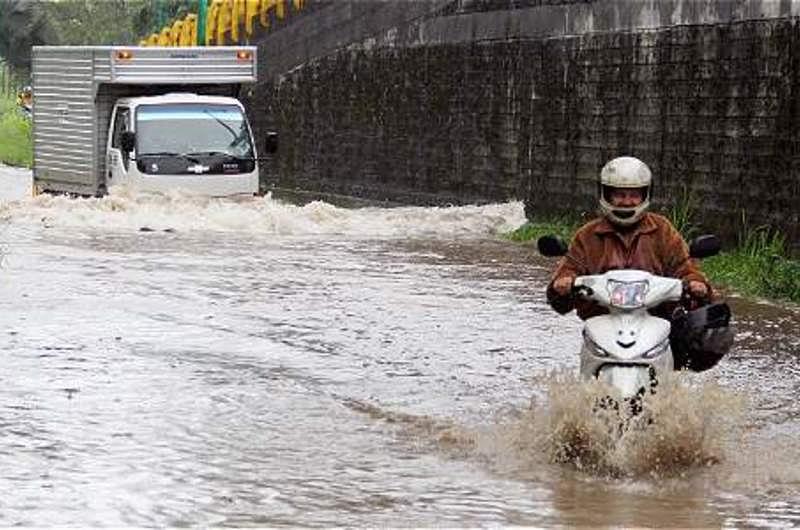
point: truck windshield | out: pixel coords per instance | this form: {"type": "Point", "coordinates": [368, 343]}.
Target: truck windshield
{"type": "Point", "coordinates": [192, 129]}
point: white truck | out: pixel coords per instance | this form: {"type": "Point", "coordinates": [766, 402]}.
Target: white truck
{"type": "Point", "coordinates": [152, 119]}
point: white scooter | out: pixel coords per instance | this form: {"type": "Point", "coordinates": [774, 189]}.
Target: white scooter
{"type": "Point", "coordinates": [628, 348]}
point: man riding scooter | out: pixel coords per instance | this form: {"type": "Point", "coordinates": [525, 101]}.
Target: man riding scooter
{"type": "Point", "coordinates": [627, 236]}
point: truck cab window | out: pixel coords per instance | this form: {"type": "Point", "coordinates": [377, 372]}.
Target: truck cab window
{"type": "Point", "coordinates": [121, 124]}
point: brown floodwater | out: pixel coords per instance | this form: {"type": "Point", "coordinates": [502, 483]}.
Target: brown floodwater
{"type": "Point", "coordinates": [263, 364]}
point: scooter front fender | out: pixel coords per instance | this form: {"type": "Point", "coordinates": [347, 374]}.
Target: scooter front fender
{"type": "Point", "coordinates": [627, 379]}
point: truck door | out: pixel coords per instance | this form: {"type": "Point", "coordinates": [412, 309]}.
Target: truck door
{"type": "Point", "coordinates": [118, 160]}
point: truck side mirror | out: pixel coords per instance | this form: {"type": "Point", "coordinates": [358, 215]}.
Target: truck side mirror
{"type": "Point", "coordinates": [551, 246]}
{"type": "Point", "coordinates": [704, 246]}
{"type": "Point", "coordinates": [271, 142]}
{"type": "Point", "coordinates": [127, 141]}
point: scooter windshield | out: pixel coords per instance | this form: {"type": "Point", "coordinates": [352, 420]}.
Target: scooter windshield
{"type": "Point", "coordinates": [627, 295]}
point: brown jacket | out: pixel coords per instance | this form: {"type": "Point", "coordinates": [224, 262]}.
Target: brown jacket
{"type": "Point", "coordinates": [652, 245]}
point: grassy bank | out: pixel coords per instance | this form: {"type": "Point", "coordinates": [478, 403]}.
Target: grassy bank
{"type": "Point", "coordinates": [16, 147]}
{"type": "Point", "coordinates": [758, 266]}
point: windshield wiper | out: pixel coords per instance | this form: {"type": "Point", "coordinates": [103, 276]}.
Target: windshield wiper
{"type": "Point", "coordinates": [210, 153]}
{"type": "Point", "coordinates": [221, 122]}
{"type": "Point", "coordinates": [238, 137]}
{"type": "Point", "coordinates": [219, 153]}
{"type": "Point", "coordinates": [187, 156]}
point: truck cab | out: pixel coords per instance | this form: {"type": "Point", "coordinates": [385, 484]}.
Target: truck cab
{"type": "Point", "coordinates": [199, 144]}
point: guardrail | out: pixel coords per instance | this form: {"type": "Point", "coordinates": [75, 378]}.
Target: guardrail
{"type": "Point", "coordinates": [226, 22]}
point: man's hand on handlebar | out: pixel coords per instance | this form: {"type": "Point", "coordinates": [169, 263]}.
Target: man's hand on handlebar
{"type": "Point", "coordinates": [563, 285]}
{"type": "Point", "coordinates": [697, 289]}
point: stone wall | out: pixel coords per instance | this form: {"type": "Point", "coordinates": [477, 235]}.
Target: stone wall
{"type": "Point", "coordinates": [467, 101]}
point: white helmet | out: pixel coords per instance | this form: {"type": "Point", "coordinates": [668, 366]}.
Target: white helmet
{"type": "Point", "coordinates": [624, 172]}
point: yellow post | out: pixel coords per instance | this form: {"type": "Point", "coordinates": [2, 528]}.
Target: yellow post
{"type": "Point", "coordinates": [263, 12]}
{"type": "Point", "coordinates": [237, 14]}
{"type": "Point", "coordinates": [280, 9]}
{"type": "Point", "coordinates": [211, 21]}
{"type": "Point", "coordinates": [184, 39]}
{"type": "Point", "coordinates": [164, 38]}
{"type": "Point", "coordinates": [251, 12]}
{"type": "Point", "coordinates": [190, 30]}
{"type": "Point", "coordinates": [175, 33]}
{"type": "Point", "coordinates": [223, 21]}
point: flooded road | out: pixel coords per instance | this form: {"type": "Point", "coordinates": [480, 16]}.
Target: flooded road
{"type": "Point", "coordinates": [176, 361]}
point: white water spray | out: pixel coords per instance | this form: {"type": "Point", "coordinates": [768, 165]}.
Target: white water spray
{"type": "Point", "coordinates": [126, 210]}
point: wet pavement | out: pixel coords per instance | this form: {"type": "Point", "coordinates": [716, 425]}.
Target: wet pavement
{"type": "Point", "coordinates": [183, 361]}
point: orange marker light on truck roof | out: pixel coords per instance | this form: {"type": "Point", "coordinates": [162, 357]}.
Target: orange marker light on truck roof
{"type": "Point", "coordinates": [244, 55]}
{"type": "Point", "coordinates": [124, 55]}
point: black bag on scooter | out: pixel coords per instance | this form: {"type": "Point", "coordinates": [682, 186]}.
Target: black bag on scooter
{"type": "Point", "coordinates": [701, 337]}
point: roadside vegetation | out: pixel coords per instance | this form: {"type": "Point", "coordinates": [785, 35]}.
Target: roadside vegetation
{"type": "Point", "coordinates": [16, 147]}
{"type": "Point", "coordinates": [562, 226]}
{"type": "Point", "coordinates": [759, 265]}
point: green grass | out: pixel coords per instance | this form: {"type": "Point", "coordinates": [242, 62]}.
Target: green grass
{"type": "Point", "coordinates": [16, 145]}
{"type": "Point", "coordinates": [758, 266]}
{"type": "Point", "coordinates": [560, 226]}
{"type": "Point", "coordinates": [681, 214]}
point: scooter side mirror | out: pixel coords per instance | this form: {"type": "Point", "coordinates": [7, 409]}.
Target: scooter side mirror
{"type": "Point", "coordinates": [704, 246]}
{"type": "Point", "coordinates": [551, 246]}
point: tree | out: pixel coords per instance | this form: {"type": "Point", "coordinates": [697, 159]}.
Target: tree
{"type": "Point", "coordinates": [23, 24]}
{"type": "Point", "coordinates": [93, 22]}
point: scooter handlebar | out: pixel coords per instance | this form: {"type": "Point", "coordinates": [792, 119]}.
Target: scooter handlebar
{"type": "Point", "coordinates": [582, 291]}
{"type": "Point", "coordinates": [656, 289]}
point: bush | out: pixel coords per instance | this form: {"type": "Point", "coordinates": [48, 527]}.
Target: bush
{"type": "Point", "coordinates": [16, 142]}
{"type": "Point", "coordinates": [758, 266]}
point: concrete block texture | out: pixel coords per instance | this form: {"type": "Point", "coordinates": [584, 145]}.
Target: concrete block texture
{"type": "Point", "coordinates": [474, 101]}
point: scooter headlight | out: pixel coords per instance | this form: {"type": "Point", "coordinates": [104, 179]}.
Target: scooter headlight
{"type": "Point", "coordinates": [655, 351]}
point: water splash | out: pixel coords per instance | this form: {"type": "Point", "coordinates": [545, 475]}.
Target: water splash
{"type": "Point", "coordinates": [175, 211]}
{"type": "Point", "coordinates": [682, 427]}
